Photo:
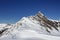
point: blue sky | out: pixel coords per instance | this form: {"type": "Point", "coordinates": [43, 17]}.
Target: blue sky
{"type": "Point", "coordinates": [13, 10]}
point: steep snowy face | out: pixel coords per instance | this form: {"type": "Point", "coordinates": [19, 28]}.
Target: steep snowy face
{"type": "Point", "coordinates": [40, 24]}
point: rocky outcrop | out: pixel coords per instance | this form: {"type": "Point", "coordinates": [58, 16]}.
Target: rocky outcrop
{"type": "Point", "coordinates": [46, 22]}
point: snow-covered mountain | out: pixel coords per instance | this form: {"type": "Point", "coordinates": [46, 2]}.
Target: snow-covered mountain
{"type": "Point", "coordinates": [37, 27]}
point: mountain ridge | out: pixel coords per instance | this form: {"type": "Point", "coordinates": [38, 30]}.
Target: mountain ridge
{"type": "Point", "coordinates": [39, 23]}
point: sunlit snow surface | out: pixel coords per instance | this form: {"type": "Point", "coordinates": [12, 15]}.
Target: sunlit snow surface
{"type": "Point", "coordinates": [29, 30]}
{"type": "Point", "coordinates": [28, 35]}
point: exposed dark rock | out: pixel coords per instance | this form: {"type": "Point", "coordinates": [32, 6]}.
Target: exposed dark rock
{"type": "Point", "coordinates": [3, 30]}
{"type": "Point", "coordinates": [47, 23]}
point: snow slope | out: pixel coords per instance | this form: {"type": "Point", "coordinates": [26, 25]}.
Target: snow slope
{"type": "Point", "coordinates": [28, 28]}
{"type": "Point", "coordinates": [28, 35]}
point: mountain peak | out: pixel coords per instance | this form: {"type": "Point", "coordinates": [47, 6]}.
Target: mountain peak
{"type": "Point", "coordinates": [40, 13]}
{"type": "Point", "coordinates": [38, 23]}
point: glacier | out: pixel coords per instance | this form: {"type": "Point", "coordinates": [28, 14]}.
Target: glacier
{"type": "Point", "coordinates": [37, 27]}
